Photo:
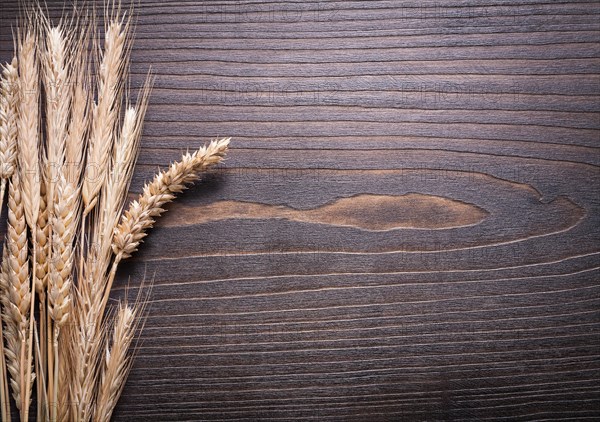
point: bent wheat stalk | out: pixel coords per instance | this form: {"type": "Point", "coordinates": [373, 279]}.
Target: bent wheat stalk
{"type": "Point", "coordinates": [141, 213]}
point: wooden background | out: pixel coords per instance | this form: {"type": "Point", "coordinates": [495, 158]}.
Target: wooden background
{"type": "Point", "coordinates": [407, 227]}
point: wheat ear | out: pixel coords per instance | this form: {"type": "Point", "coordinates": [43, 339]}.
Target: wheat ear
{"type": "Point", "coordinates": [42, 245]}
{"type": "Point", "coordinates": [116, 362]}
{"type": "Point", "coordinates": [28, 158]}
{"type": "Point", "coordinates": [10, 336]}
{"type": "Point", "coordinates": [64, 225]}
{"type": "Point", "coordinates": [42, 233]}
{"type": "Point", "coordinates": [81, 99]}
{"type": "Point", "coordinates": [8, 155]}
{"type": "Point", "coordinates": [105, 114]}
{"type": "Point", "coordinates": [9, 94]}
{"type": "Point", "coordinates": [86, 337]}
{"type": "Point", "coordinates": [16, 296]}
{"type": "Point", "coordinates": [57, 86]}
{"type": "Point", "coordinates": [28, 126]}
{"type": "Point", "coordinates": [141, 213]}
{"type": "Point", "coordinates": [8, 124]}
{"type": "Point", "coordinates": [8, 149]}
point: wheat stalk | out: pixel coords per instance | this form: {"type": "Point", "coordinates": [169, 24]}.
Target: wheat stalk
{"type": "Point", "coordinates": [4, 389]}
{"type": "Point", "coordinates": [8, 334]}
{"type": "Point", "coordinates": [65, 365]}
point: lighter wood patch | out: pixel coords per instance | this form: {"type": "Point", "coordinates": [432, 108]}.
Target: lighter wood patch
{"type": "Point", "coordinates": [366, 211]}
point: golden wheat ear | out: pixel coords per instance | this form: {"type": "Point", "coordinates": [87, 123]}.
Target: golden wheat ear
{"type": "Point", "coordinates": [28, 124]}
{"type": "Point", "coordinates": [141, 213]}
{"type": "Point", "coordinates": [16, 296]}
{"type": "Point", "coordinates": [112, 74]}
{"type": "Point", "coordinates": [8, 124]}
{"type": "Point", "coordinates": [81, 99]}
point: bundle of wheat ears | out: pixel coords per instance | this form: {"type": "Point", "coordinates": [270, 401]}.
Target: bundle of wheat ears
{"type": "Point", "coordinates": [69, 139]}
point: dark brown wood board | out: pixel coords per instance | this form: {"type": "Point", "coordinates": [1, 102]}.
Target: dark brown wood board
{"type": "Point", "coordinates": [407, 226]}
